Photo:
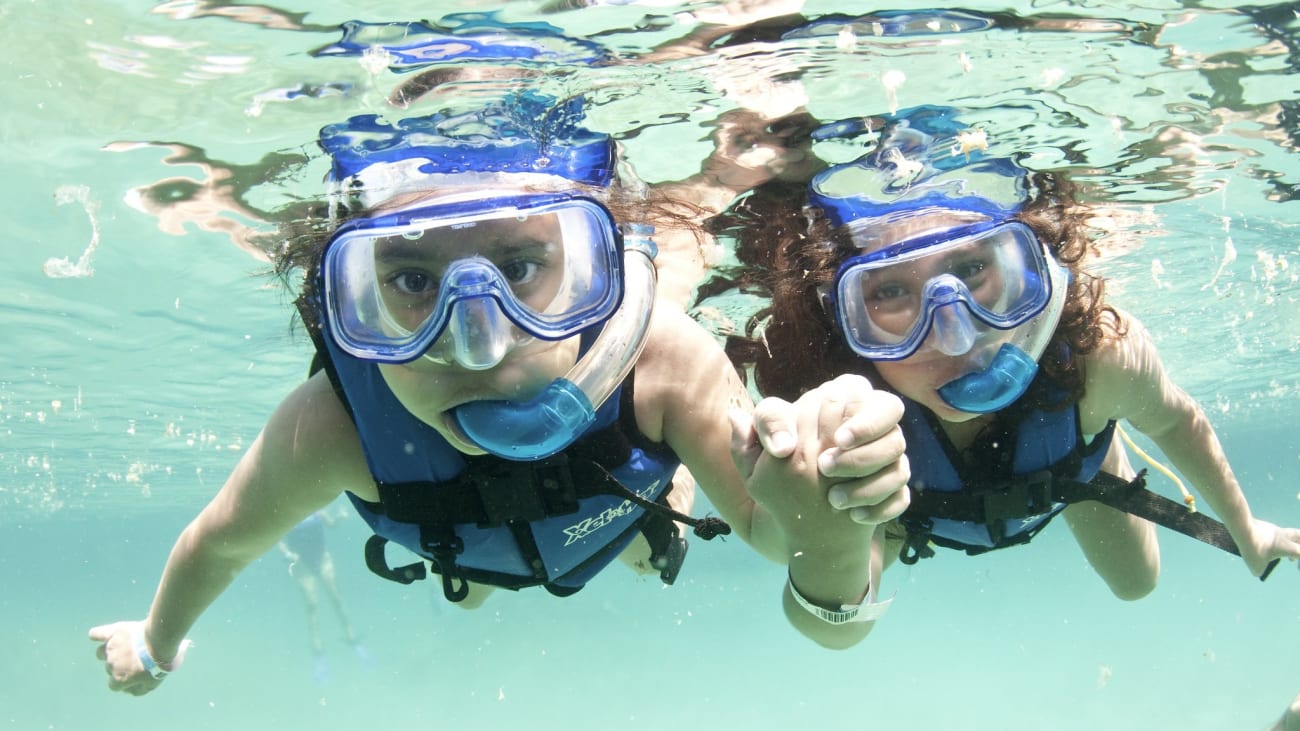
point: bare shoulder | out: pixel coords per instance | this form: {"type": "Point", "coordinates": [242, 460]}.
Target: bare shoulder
{"type": "Point", "coordinates": [312, 436]}
{"type": "Point", "coordinates": [682, 371]}
{"type": "Point", "coordinates": [1123, 374]}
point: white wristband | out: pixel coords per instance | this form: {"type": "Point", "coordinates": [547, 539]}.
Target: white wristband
{"type": "Point", "coordinates": [156, 670]}
{"type": "Point", "coordinates": [868, 611]}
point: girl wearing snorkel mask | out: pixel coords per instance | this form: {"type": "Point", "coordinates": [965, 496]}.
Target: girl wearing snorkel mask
{"type": "Point", "coordinates": [498, 392]}
{"type": "Point", "coordinates": [953, 279]}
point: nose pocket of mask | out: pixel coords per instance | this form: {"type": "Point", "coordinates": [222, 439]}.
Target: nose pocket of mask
{"type": "Point", "coordinates": [479, 332]}
{"type": "Point", "coordinates": [954, 331]}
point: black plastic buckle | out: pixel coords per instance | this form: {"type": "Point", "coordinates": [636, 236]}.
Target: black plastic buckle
{"type": "Point", "coordinates": [445, 550]}
{"type": "Point", "coordinates": [669, 562]}
{"type": "Point", "coordinates": [527, 492]}
{"type": "Point", "coordinates": [1030, 494]}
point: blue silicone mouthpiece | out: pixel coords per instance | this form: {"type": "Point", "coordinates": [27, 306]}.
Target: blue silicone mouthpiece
{"type": "Point", "coordinates": [530, 430]}
{"type": "Point", "coordinates": [994, 388]}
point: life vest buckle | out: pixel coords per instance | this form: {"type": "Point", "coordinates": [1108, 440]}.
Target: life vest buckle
{"type": "Point", "coordinates": [527, 492]}
{"type": "Point", "coordinates": [1028, 495]}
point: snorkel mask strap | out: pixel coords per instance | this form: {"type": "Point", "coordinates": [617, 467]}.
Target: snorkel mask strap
{"type": "Point", "coordinates": [565, 409]}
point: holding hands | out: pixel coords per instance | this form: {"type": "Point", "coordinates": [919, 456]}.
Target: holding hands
{"type": "Point", "coordinates": [841, 437]}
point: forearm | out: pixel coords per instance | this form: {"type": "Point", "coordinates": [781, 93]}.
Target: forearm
{"type": "Point", "coordinates": [194, 577]}
{"type": "Point", "coordinates": [1195, 451]}
{"type": "Point", "coordinates": [831, 577]}
{"type": "Point", "coordinates": [765, 536]}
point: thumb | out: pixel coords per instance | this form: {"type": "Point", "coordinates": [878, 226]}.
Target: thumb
{"type": "Point", "coordinates": [745, 449]}
{"type": "Point", "coordinates": [103, 632]}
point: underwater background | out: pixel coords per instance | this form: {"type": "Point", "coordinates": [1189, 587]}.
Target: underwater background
{"type": "Point", "coordinates": [147, 144]}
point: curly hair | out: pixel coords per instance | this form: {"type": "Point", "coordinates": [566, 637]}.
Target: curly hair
{"type": "Point", "coordinates": [789, 252]}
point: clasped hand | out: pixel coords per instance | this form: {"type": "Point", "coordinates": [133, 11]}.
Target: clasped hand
{"type": "Point", "coordinates": [832, 459]}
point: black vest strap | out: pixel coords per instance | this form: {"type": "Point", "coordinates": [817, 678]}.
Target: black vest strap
{"type": "Point", "coordinates": [493, 492]}
{"type": "Point", "coordinates": [1033, 494]}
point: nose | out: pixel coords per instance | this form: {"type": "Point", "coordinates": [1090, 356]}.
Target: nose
{"type": "Point", "coordinates": [477, 337]}
{"type": "Point", "coordinates": [952, 329]}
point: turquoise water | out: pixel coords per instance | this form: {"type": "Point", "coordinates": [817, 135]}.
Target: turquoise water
{"type": "Point", "coordinates": [140, 367]}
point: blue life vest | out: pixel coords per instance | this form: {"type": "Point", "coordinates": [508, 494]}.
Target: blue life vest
{"type": "Point", "coordinates": [558, 536]}
{"type": "Point", "coordinates": [1012, 468]}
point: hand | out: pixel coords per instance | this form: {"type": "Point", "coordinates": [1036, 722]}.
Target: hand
{"type": "Point", "coordinates": [126, 672]}
{"type": "Point", "coordinates": [839, 445]}
{"type": "Point", "coordinates": [1267, 542]}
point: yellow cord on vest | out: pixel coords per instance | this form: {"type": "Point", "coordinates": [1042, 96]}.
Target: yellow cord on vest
{"type": "Point", "coordinates": [1188, 498]}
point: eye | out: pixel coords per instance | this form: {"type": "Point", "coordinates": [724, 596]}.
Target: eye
{"type": "Point", "coordinates": [886, 291]}
{"type": "Point", "coordinates": [969, 270]}
{"type": "Point", "coordinates": [413, 282]}
{"type": "Point", "coordinates": [519, 271]}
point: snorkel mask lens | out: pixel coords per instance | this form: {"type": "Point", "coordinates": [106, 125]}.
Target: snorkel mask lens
{"type": "Point", "coordinates": [547, 264]}
{"type": "Point", "coordinates": [946, 291]}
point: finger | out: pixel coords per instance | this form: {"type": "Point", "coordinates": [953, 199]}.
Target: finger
{"type": "Point", "coordinates": [866, 459]}
{"type": "Point", "coordinates": [852, 390]}
{"type": "Point", "coordinates": [871, 490]}
{"type": "Point", "coordinates": [102, 632]}
{"type": "Point", "coordinates": [892, 507]}
{"type": "Point", "coordinates": [840, 399]}
{"type": "Point", "coordinates": [1291, 547]}
{"type": "Point", "coordinates": [745, 449]}
{"type": "Point", "coordinates": [774, 421]}
{"type": "Point", "coordinates": [871, 418]}
{"type": "Point", "coordinates": [101, 652]}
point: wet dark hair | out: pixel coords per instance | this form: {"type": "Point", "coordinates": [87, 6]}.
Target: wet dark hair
{"type": "Point", "coordinates": [790, 253]}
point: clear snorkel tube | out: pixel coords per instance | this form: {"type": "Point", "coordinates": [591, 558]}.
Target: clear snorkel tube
{"type": "Point", "coordinates": [556, 417]}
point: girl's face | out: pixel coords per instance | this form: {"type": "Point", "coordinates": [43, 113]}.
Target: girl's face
{"type": "Point", "coordinates": [528, 255]}
{"type": "Point", "coordinates": [890, 300]}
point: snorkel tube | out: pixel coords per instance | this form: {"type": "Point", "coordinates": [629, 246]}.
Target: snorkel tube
{"type": "Point", "coordinates": [1006, 378]}
{"type": "Point", "coordinates": [563, 411]}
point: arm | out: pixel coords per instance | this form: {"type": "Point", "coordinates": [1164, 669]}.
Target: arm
{"type": "Point", "coordinates": [1290, 720]}
{"type": "Point", "coordinates": [295, 466]}
{"type": "Point", "coordinates": [685, 390]}
{"type": "Point", "coordinates": [685, 386]}
{"type": "Point", "coordinates": [1126, 379]}
{"type": "Point", "coordinates": [830, 469]}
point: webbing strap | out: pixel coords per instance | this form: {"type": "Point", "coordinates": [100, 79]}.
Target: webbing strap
{"type": "Point", "coordinates": [1034, 494]}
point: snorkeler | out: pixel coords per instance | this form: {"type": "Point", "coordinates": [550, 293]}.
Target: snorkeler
{"type": "Point", "coordinates": [499, 393]}
{"type": "Point", "coordinates": [312, 567]}
{"type": "Point", "coordinates": [953, 278]}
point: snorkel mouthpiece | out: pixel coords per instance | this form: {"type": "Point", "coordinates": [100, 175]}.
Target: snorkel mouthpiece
{"type": "Point", "coordinates": [528, 430]}
{"type": "Point", "coordinates": [565, 409]}
{"type": "Point", "coordinates": [994, 388]}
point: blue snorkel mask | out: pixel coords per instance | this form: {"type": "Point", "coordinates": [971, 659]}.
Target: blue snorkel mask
{"type": "Point", "coordinates": [499, 247]}
{"type": "Point", "coordinates": [944, 264]}
{"type": "Point", "coordinates": [462, 37]}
